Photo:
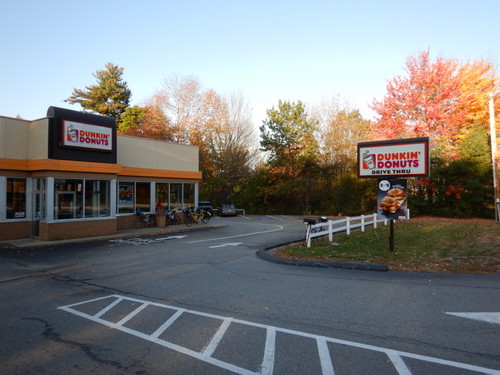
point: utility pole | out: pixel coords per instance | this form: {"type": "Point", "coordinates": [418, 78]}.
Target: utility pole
{"type": "Point", "coordinates": [493, 136]}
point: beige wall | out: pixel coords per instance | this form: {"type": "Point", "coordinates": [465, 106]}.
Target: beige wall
{"type": "Point", "coordinates": [38, 139]}
{"type": "Point", "coordinates": [13, 138]}
{"type": "Point", "coordinates": [138, 152]}
{"type": "Point", "coordinates": [22, 139]}
{"type": "Point", "coordinates": [28, 140]}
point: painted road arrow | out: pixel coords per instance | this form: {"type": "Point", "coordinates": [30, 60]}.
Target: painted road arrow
{"type": "Point", "coordinates": [226, 244]}
{"type": "Point", "coordinates": [170, 238]}
{"type": "Point", "coordinates": [490, 317]}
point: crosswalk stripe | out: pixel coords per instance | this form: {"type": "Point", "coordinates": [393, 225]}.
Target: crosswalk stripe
{"type": "Point", "coordinates": [210, 348]}
{"type": "Point", "coordinates": [167, 323]}
{"type": "Point", "coordinates": [268, 361]}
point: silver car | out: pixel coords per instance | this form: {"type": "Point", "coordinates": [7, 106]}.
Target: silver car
{"type": "Point", "coordinates": [227, 210]}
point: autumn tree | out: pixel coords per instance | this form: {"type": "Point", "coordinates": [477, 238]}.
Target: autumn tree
{"type": "Point", "coordinates": [477, 82]}
{"type": "Point", "coordinates": [231, 148]}
{"type": "Point", "coordinates": [288, 135]}
{"type": "Point", "coordinates": [110, 96]}
{"type": "Point", "coordinates": [131, 121]}
{"type": "Point", "coordinates": [441, 99]}
{"type": "Point", "coordinates": [341, 128]}
{"type": "Point", "coordinates": [182, 99]}
{"type": "Point", "coordinates": [446, 100]}
{"type": "Point", "coordinates": [182, 111]}
{"type": "Point", "coordinates": [146, 121]}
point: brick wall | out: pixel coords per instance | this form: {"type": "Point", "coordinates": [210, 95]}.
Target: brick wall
{"type": "Point", "coordinates": [80, 229]}
{"type": "Point", "coordinates": [15, 230]}
{"type": "Point", "coordinates": [127, 222]}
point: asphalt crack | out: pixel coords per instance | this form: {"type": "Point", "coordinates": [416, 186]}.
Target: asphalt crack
{"type": "Point", "coordinates": [89, 350]}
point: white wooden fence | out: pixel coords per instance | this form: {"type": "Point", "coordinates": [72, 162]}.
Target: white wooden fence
{"type": "Point", "coordinates": [347, 224]}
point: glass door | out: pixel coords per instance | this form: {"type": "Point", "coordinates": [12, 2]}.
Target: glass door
{"type": "Point", "coordinates": [37, 205]}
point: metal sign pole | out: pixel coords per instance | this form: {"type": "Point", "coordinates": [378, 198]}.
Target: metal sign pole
{"type": "Point", "coordinates": [391, 236]}
{"type": "Point", "coordinates": [493, 140]}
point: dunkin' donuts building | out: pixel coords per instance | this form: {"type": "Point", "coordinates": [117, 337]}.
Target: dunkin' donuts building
{"type": "Point", "coordinates": [70, 175]}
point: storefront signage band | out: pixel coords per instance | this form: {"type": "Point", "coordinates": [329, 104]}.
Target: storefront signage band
{"type": "Point", "coordinates": [76, 134]}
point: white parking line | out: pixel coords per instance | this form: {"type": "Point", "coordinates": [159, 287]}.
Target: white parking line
{"type": "Point", "coordinates": [324, 357]}
{"type": "Point", "coordinates": [167, 323]}
{"type": "Point", "coordinates": [399, 364]}
{"type": "Point", "coordinates": [210, 348]}
{"type": "Point", "coordinates": [133, 313]}
{"type": "Point", "coordinates": [269, 349]}
{"type": "Point", "coordinates": [267, 365]}
{"type": "Point", "coordinates": [293, 218]}
{"type": "Point", "coordinates": [274, 217]}
{"type": "Point", "coordinates": [239, 235]}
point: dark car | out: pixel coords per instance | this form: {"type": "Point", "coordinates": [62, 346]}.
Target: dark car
{"type": "Point", "coordinates": [227, 210]}
{"type": "Point", "coordinates": [205, 205]}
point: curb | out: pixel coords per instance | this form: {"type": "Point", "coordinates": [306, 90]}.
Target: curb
{"type": "Point", "coordinates": [311, 263]}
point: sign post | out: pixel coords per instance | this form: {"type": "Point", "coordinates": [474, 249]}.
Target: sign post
{"type": "Point", "coordinates": [392, 203]}
{"type": "Point", "coordinates": [391, 236]}
{"type": "Point", "coordinates": [389, 161]}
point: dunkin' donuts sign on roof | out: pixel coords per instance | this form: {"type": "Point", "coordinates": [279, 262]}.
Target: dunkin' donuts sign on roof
{"type": "Point", "coordinates": [394, 158]}
{"type": "Point", "coordinates": [76, 134]}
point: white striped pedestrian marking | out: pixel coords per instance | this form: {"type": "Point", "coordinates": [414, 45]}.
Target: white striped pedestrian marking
{"type": "Point", "coordinates": [268, 361]}
{"type": "Point", "coordinates": [139, 241]}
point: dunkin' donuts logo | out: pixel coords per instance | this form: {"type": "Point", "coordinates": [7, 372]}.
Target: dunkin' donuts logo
{"type": "Point", "coordinates": [391, 160]}
{"type": "Point", "coordinates": [80, 135]}
{"type": "Point", "coordinates": [407, 157]}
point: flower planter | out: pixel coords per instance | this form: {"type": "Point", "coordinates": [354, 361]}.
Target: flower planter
{"type": "Point", "coordinates": [160, 220]}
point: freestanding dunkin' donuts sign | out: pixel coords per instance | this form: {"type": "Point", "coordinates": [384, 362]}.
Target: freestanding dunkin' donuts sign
{"type": "Point", "coordinates": [390, 162]}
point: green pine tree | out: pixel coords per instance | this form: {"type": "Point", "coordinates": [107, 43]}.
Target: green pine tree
{"type": "Point", "coordinates": [110, 96]}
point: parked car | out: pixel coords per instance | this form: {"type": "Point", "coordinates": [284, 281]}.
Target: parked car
{"type": "Point", "coordinates": [206, 205]}
{"type": "Point", "coordinates": [227, 210]}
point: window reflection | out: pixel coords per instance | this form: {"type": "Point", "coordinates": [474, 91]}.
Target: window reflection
{"type": "Point", "coordinates": [16, 198]}
{"type": "Point", "coordinates": [79, 198]}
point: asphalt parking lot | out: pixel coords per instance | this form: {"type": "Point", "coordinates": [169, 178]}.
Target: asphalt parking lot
{"type": "Point", "coordinates": [203, 302]}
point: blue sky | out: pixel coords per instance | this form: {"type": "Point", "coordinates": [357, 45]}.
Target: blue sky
{"type": "Point", "coordinates": [266, 50]}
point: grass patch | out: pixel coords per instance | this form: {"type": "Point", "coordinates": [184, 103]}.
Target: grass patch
{"type": "Point", "coordinates": [422, 244]}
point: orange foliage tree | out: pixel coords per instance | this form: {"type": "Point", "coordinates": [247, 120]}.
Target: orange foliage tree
{"type": "Point", "coordinates": [442, 99]}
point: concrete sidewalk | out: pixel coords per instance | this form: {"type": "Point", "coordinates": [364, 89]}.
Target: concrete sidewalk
{"type": "Point", "coordinates": [26, 243]}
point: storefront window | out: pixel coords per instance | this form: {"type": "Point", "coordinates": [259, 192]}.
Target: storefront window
{"type": "Point", "coordinates": [68, 199]}
{"type": "Point", "coordinates": [189, 195]}
{"type": "Point", "coordinates": [142, 196]}
{"type": "Point", "coordinates": [170, 195]}
{"type": "Point", "coordinates": [97, 195]}
{"type": "Point", "coordinates": [16, 198]}
{"type": "Point", "coordinates": [162, 194]}
{"type": "Point", "coordinates": [74, 199]}
{"type": "Point", "coordinates": [176, 196]}
{"type": "Point", "coordinates": [125, 197]}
